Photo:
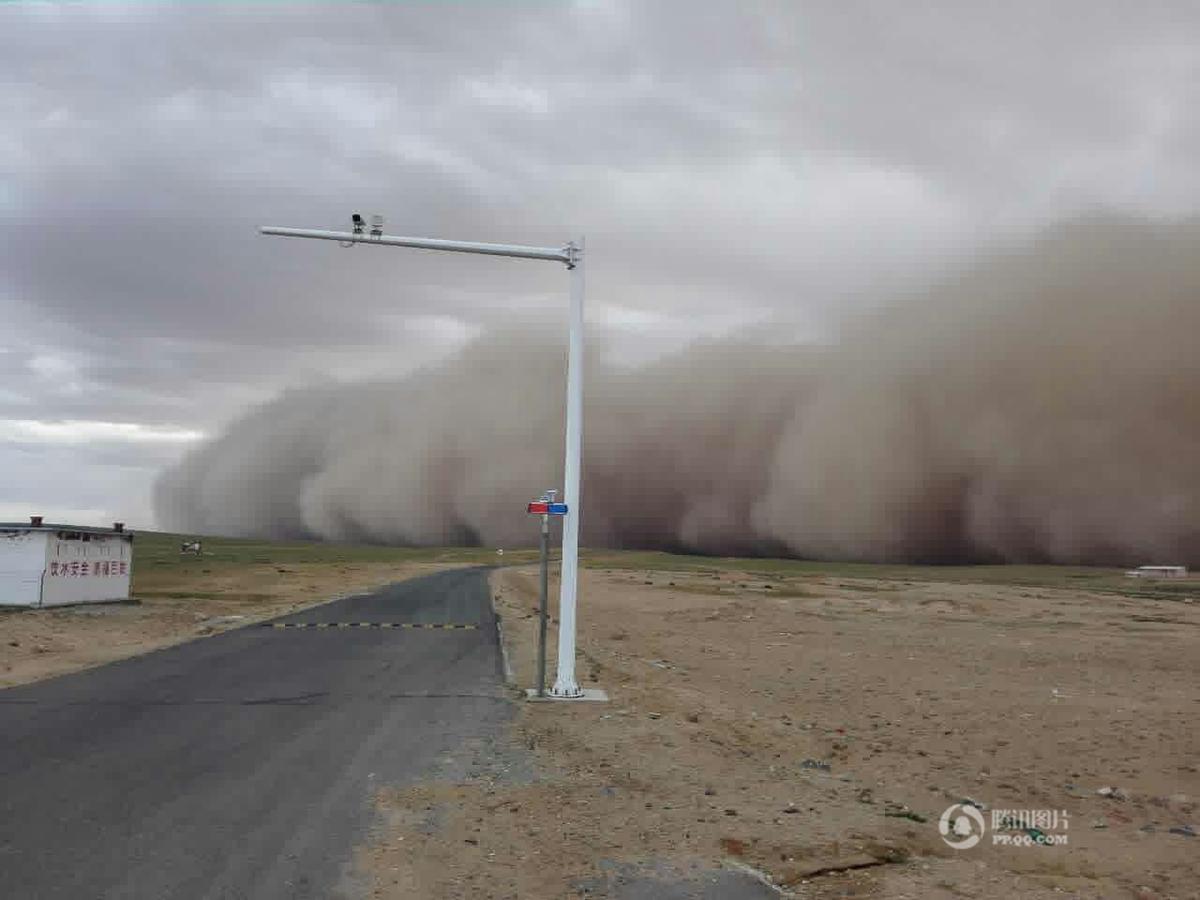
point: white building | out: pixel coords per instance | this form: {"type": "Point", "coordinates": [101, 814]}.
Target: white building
{"type": "Point", "coordinates": [1158, 572]}
{"type": "Point", "coordinates": [54, 565]}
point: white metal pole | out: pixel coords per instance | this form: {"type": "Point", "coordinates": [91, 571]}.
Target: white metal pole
{"type": "Point", "coordinates": [565, 684]}
{"type": "Point", "coordinates": [555, 254]}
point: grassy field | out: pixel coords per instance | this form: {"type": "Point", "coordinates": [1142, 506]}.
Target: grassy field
{"type": "Point", "coordinates": [1107, 580]}
{"type": "Point", "coordinates": [161, 568]}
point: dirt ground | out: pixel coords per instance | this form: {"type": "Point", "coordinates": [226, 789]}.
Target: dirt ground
{"type": "Point", "coordinates": [39, 643]}
{"type": "Point", "coordinates": [814, 729]}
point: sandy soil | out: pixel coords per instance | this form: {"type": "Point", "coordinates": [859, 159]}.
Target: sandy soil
{"type": "Point", "coordinates": [39, 643]}
{"type": "Point", "coordinates": [814, 729]}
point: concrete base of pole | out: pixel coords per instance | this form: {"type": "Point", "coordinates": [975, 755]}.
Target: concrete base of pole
{"type": "Point", "coordinates": [595, 695]}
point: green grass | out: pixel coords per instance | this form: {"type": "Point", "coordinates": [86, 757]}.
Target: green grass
{"type": "Point", "coordinates": [160, 566]}
{"type": "Point", "coordinates": [1104, 580]}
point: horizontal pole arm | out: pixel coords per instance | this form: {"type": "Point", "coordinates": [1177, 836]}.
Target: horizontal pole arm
{"type": "Point", "coordinates": [555, 254]}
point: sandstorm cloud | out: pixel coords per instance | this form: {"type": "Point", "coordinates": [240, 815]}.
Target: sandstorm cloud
{"type": "Point", "coordinates": [1042, 404]}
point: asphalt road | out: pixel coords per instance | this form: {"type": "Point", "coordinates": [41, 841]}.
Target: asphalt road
{"type": "Point", "coordinates": [241, 765]}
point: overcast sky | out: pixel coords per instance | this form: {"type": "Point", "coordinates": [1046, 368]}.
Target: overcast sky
{"type": "Point", "coordinates": [732, 165]}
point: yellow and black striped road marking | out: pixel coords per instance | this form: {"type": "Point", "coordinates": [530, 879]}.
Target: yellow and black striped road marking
{"type": "Point", "coordinates": [368, 625]}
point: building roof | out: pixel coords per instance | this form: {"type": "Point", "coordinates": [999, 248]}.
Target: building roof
{"type": "Point", "coordinates": [51, 526]}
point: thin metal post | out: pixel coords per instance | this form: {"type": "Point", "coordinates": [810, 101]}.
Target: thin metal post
{"type": "Point", "coordinates": [565, 684]}
{"type": "Point", "coordinates": [543, 607]}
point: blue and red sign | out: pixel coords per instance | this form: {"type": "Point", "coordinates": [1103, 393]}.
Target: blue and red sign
{"type": "Point", "coordinates": [546, 508]}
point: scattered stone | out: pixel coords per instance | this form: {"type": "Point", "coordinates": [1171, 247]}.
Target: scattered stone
{"type": "Point", "coordinates": [905, 814]}
{"type": "Point", "coordinates": [1111, 792]}
{"type": "Point", "coordinates": [1184, 830]}
{"type": "Point", "coordinates": [877, 856]}
{"type": "Point", "coordinates": [733, 846]}
{"type": "Point", "coordinates": [819, 765]}
{"type": "Point", "coordinates": [731, 812]}
{"type": "Point", "coordinates": [693, 717]}
{"type": "Point", "coordinates": [791, 809]}
{"type": "Point", "coordinates": [654, 715]}
{"type": "Point", "coordinates": [40, 648]}
{"type": "Point", "coordinates": [14, 643]}
{"type": "Point", "coordinates": [709, 792]}
{"type": "Point", "coordinates": [1099, 823]}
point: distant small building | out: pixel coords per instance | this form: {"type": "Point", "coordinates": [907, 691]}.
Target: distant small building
{"type": "Point", "coordinates": [56, 565]}
{"type": "Point", "coordinates": [1158, 572]}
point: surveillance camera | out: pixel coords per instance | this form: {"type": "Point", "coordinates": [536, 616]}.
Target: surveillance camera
{"type": "Point", "coordinates": [376, 226]}
{"type": "Point", "coordinates": [358, 223]}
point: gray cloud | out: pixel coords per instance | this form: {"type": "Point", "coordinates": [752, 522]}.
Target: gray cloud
{"type": "Point", "coordinates": [776, 163]}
